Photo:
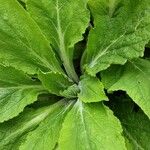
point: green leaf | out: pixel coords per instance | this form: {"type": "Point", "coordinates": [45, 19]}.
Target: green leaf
{"type": "Point", "coordinates": [134, 78]}
{"type": "Point", "coordinates": [71, 91]}
{"type": "Point", "coordinates": [137, 128]}
{"type": "Point", "coordinates": [91, 127]}
{"type": "Point", "coordinates": [136, 125]}
{"type": "Point", "coordinates": [91, 90]}
{"type": "Point", "coordinates": [16, 91]}
{"type": "Point", "coordinates": [63, 23]}
{"type": "Point", "coordinates": [55, 82]}
{"type": "Point", "coordinates": [45, 137]}
{"type": "Point", "coordinates": [121, 31]}
{"type": "Point", "coordinates": [22, 45]}
{"type": "Point", "coordinates": [24, 1]}
{"type": "Point", "coordinates": [38, 124]}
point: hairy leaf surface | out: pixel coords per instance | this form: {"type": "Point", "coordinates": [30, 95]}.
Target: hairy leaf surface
{"type": "Point", "coordinates": [91, 127]}
{"type": "Point", "coordinates": [36, 121]}
{"type": "Point", "coordinates": [55, 82]}
{"type": "Point", "coordinates": [60, 62]}
{"type": "Point", "coordinates": [46, 136]}
{"type": "Point", "coordinates": [91, 90]}
{"type": "Point", "coordinates": [63, 22]}
{"type": "Point", "coordinates": [22, 45]}
{"type": "Point", "coordinates": [16, 91]}
{"type": "Point", "coordinates": [121, 31]}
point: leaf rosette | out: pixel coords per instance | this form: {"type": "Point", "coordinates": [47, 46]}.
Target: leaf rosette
{"type": "Point", "coordinates": [62, 63]}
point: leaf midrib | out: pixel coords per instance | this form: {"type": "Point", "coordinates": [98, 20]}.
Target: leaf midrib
{"type": "Point", "coordinates": [84, 124]}
{"type": "Point", "coordinates": [140, 70]}
{"type": "Point", "coordinates": [29, 47]}
{"type": "Point", "coordinates": [102, 53]}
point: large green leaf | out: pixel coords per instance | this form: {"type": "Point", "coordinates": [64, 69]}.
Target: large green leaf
{"type": "Point", "coordinates": [40, 125]}
{"type": "Point", "coordinates": [45, 137]}
{"type": "Point", "coordinates": [91, 90]}
{"type": "Point", "coordinates": [55, 82]}
{"type": "Point", "coordinates": [91, 127]}
{"type": "Point", "coordinates": [121, 31]}
{"type": "Point", "coordinates": [136, 128]}
{"type": "Point", "coordinates": [22, 44]}
{"type": "Point", "coordinates": [16, 91]}
{"type": "Point", "coordinates": [136, 125]}
{"type": "Point", "coordinates": [134, 78]}
{"type": "Point", "coordinates": [63, 22]}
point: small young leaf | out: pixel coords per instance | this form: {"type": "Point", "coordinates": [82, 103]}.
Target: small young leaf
{"type": "Point", "coordinates": [91, 90]}
{"type": "Point", "coordinates": [55, 82]}
{"type": "Point", "coordinates": [71, 91]}
{"type": "Point", "coordinates": [134, 78]}
{"type": "Point", "coordinates": [91, 127]}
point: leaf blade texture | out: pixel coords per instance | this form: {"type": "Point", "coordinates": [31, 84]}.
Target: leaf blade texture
{"type": "Point", "coordinates": [134, 78]}
{"type": "Point", "coordinates": [135, 123]}
{"type": "Point", "coordinates": [91, 90]}
{"type": "Point", "coordinates": [55, 82]}
{"type": "Point", "coordinates": [116, 38]}
{"type": "Point", "coordinates": [46, 135]}
{"type": "Point", "coordinates": [14, 133]}
{"type": "Point", "coordinates": [63, 23]}
{"type": "Point", "coordinates": [84, 128]}
{"type": "Point", "coordinates": [17, 90]}
{"type": "Point", "coordinates": [22, 44]}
